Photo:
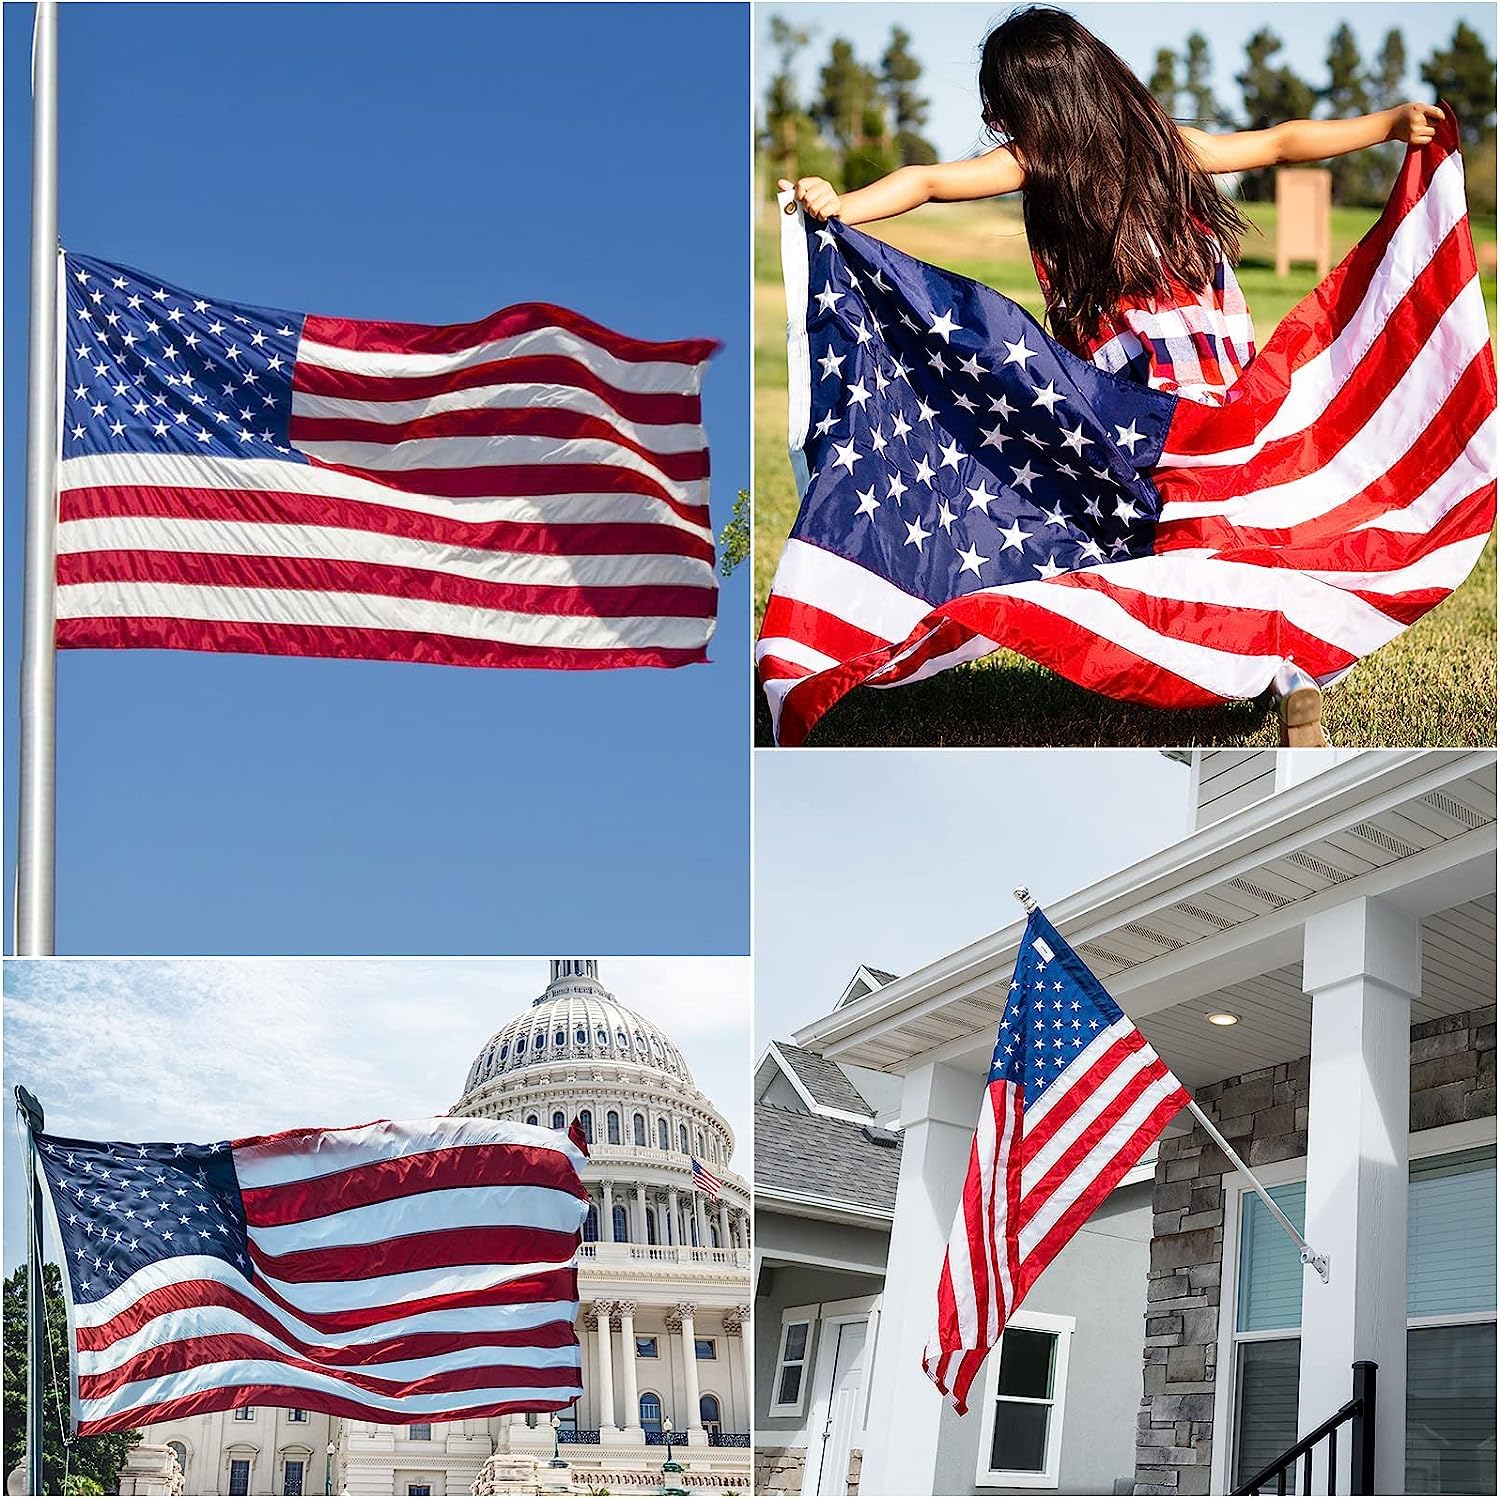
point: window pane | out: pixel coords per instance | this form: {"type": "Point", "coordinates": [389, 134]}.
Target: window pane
{"type": "Point", "coordinates": [796, 1342]}
{"type": "Point", "coordinates": [1450, 1234]}
{"type": "Point", "coordinates": [239, 1477]}
{"type": "Point", "coordinates": [1450, 1409]}
{"type": "Point", "coordinates": [1020, 1443]}
{"type": "Point", "coordinates": [1270, 1270]}
{"type": "Point", "coordinates": [1026, 1363]}
{"type": "Point", "coordinates": [791, 1384]}
{"type": "Point", "coordinates": [1267, 1401]}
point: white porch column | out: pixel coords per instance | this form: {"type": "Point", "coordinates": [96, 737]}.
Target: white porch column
{"type": "Point", "coordinates": [747, 1358]}
{"type": "Point", "coordinates": [607, 1227]}
{"type": "Point", "coordinates": [674, 1225]}
{"type": "Point", "coordinates": [641, 1234]}
{"type": "Point", "coordinates": [606, 1397]}
{"type": "Point", "coordinates": [724, 1226]}
{"type": "Point", "coordinates": [939, 1110]}
{"type": "Point", "coordinates": [1362, 966]}
{"type": "Point", "coordinates": [631, 1425]}
{"type": "Point", "coordinates": [683, 1317]}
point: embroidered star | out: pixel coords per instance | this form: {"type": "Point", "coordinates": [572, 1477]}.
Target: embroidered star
{"type": "Point", "coordinates": [945, 326]}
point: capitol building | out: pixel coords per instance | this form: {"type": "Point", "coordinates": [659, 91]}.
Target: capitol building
{"type": "Point", "coordinates": [664, 1291]}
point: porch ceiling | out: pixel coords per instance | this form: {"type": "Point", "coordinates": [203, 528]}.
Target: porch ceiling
{"type": "Point", "coordinates": [1221, 913]}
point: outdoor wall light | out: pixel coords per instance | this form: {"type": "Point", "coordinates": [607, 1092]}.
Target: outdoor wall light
{"type": "Point", "coordinates": [1223, 1017]}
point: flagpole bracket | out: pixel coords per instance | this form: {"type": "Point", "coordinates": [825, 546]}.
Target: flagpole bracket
{"type": "Point", "coordinates": [1318, 1261]}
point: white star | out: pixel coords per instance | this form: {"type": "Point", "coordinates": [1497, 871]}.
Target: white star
{"type": "Point", "coordinates": [964, 401]}
{"type": "Point", "coordinates": [952, 455]}
{"type": "Point", "coordinates": [845, 456]}
{"type": "Point", "coordinates": [938, 363]}
{"type": "Point", "coordinates": [946, 517]}
{"type": "Point", "coordinates": [1074, 439]}
{"type": "Point", "coordinates": [77, 432]}
{"type": "Point", "coordinates": [133, 303]}
{"type": "Point", "coordinates": [1046, 395]}
{"type": "Point", "coordinates": [216, 327]}
{"type": "Point", "coordinates": [915, 535]}
{"type": "Point", "coordinates": [880, 379]}
{"type": "Point", "coordinates": [1056, 517]}
{"type": "Point", "coordinates": [1001, 407]}
{"type": "Point", "coordinates": [925, 473]}
{"type": "Point", "coordinates": [901, 372]}
{"type": "Point", "coordinates": [877, 440]}
{"type": "Point", "coordinates": [924, 411]}
{"type": "Point", "coordinates": [868, 504]}
{"type": "Point", "coordinates": [861, 333]}
{"type": "Point", "coordinates": [945, 326]}
{"type": "Point", "coordinates": [117, 429]}
{"type": "Point", "coordinates": [858, 395]}
{"type": "Point", "coordinates": [1025, 476]}
{"type": "Point", "coordinates": [972, 560]}
{"type": "Point", "coordinates": [832, 364]}
{"type": "Point", "coordinates": [900, 427]}
{"type": "Point", "coordinates": [897, 488]}
{"type": "Point", "coordinates": [232, 352]}
{"type": "Point", "coordinates": [824, 427]}
{"type": "Point", "coordinates": [828, 298]}
{"type": "Point", "coordinates": [972, 366]}
{"type": "Point", "coordinates": [1015, 538]}
{"type": "Point", "coordinates": [1091, 548]}
{"type": "Point", "coordinates": [1018, 353]}
{"type": "Point", "coordinates": [1128, 437]}
{"type": "Point", "coordinates": [258, 339]}
{"type": "Point", "coordinates": [825, 238]}
{"type": "Point", "coordinates": [981, 498]}
{"type": "Point", "coordinates": [1049, 568]}
{"type": "Point", "coordinates": [1126, 511]}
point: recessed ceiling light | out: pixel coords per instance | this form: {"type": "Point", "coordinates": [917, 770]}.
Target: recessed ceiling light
{"type": "Point", "coordinates": [1223, 1018]}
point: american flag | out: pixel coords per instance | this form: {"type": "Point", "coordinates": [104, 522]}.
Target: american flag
{"type": "Point", "coordinates": [706, 1181]}
{"type": "Point", "coordinates": [1075, 1097]}
{"type": "Point", "coordinates": [395, 1272]}
{"type": "Point", "coordinates": [970, 484]}
{"type": "Point", "coordinates": [527, 490]}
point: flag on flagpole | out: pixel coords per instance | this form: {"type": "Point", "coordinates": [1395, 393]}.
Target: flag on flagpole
{"type": "Point", "coordinates": [395, 1272]}
{"type": "Point", "coordinates": [527, 490]}
{"type": "Point", "coordinates": [967, 483]}
{"type": "Point", "coordinates": [1075, 1097]}
{"type": "Point", "coordinates": [706, 1181]}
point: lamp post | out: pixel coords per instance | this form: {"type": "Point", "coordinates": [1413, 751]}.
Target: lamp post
{"type": "Point", "coordinates": [328, 1471]}
{"type": "Point", "coordinates": [671, 1482]}
{"type": "Point", "coordinates": [557, 1460]}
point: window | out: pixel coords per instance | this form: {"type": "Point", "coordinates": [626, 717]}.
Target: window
{"type": "Point", "coordinates": [663, 1135]}
{"type": "Point", "coordinates": [621, 1224]}
{"type": "Point", "coordinates": [239, 1475]}
{"type": "Point", "coordinates": [532, 1118]}
{"type": "Point", "coordinates": [622, 1039]}
{"type": "Point", "coordinates": [291, 1476]}
{"type": "Point", "coordinates": [612, 1127]}
{"type": "Point", "coordinates": [505, 1049]}
{"type": "Point", "coordinates": [651, 1414]}
{"type": "Point", "coordinates": [791, 1360]}
{"type": "Point", "coordinates": [1450, 1339]}
{"type": "Point", "coordinates": [638, 1128]}
{"type": "Point", "coordinates": [419, 1490]}
{"type": "Point", "coordinates": [701, 1151]}
{"type": "Point", "coordinates": [645, 1347]}
{"type": "Point", "coordinates": [419, 1432]}
{"type": "Point", "coordinates": [245, 1412]}
{"type": "Point", "coordinates": [580, 1036]}
{"type": "Point", "coordinates": [591, 1224]}
{"type": "Point", "coordinates": [539, 1040]}
{"type": "Point", "coordinates": [705, 1349]}
{"type": "Point", "coordinates": [558, 1120]}
{"type": "Point", "coordinates": [682, 1139]}
{"type": "Point", "coordinates": [602, 1035]}
{"type": "Point", "coordinates": [1020, 1440]}
{"type": "Point", "coordinates": [560, 1038]}
{"type": "Point", "coordinates": [297, 1417]}
{"type": "Point", "coordinates": [180, 1452]}
{"type": "Point", "coordinates": [650, 1226]}
{"type": "Point", "coordinates": [586, 1121]}
{"type": "Point", "coordinates": [708, 1412]}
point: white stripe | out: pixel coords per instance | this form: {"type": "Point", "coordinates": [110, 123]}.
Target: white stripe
{"type": "Point", "coordinates": [1098, 1044]}
{"type": "Point", "coordinates": [524, 1208]}
{"type": "Point", "coordinates": [808, 574]}
{"type": "Point", "coordinates": [448, 453]}
{"type": "Point", "coordinates": [1444, 568]}
{"type": "Point", "coordinates": [1472, 469]}
{"type": "Point", "coordinates": [126, 600]}
{"type": "Point", "coordinates": [241, 1373]}
{"type": "Point", "coordinates": [648, 376]}
{"type": "Point", "coordinates": [988, 1140]}
{"type": "Point", "coordinates": [794, 280]}
{"type": "Point", "coordinates": [1400, 421]}
{"type": "Point", "coordinates": [250, 538]}
{"type": "Point", "coordinates": [973, 649]}
{"type": "Point", "coordinates": [314, 1153]}
{"type": "Point", "coordinates": [793, 652]}
{"type": "Point", "coordinates": [1314, 384]}
{"type": "Point", "coordinates": [269, 476]}
{"type": "Point", "coordinates": [1094, 1164]}
{"type": "Point", "coordinates": [682, 437]}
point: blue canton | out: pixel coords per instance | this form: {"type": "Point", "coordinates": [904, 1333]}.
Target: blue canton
{"type": "Point", "coordinates": [152, 369]}
{"type": "Point", "coordinates": [952, 444]}
{"type": "Point", "coordinates": [120, 1207]}
{"type": "Point", "coordinates": [1056, 1007]}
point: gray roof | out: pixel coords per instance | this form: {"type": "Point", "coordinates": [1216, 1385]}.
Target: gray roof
{"type": "Point", "coordinates": [880, 975]}
{"type": "Point", "coordinates": [825, 1157]}
{"type": "Point", "coordinates": [823, 1079]}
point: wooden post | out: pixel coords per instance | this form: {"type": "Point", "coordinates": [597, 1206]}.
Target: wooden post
{"type": "Point", "coordinates": [1304, 198]}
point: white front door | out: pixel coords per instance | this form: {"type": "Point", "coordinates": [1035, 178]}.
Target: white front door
{"type": "Point", "coordinates": [836, 1438]}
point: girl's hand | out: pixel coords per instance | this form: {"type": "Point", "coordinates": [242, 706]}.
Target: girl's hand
{"type": "Point", "coordinates": [1416, 124]}
{"type": "Point", "coordinates": [816, 196]}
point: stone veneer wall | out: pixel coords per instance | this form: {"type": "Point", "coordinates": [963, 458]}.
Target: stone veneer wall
{"type": "Point", "coordinates": [1263, 1114]}
{"type": "Point", "coordinates": [778, 1469]}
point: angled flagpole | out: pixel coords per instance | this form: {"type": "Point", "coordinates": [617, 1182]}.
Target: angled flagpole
{"type": "Point", "coordinates": [1318, 1261]}
{"type": "Point", "coordinates": [36, 821]}
{"type": "Point", "coordinates": [33, 1121]}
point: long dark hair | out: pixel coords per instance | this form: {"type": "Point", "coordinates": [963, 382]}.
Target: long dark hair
{"type": "Point", "coordinates": [1117, 207]}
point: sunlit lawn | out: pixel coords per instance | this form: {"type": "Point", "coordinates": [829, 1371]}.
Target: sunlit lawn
{"type": "Point", "coordinates": [1434, 685]}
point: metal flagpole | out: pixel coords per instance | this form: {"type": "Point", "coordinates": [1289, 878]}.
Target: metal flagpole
{"type": "Point", "coordinates": [1318, 1261]}
{"type": "Point", "coordinates": [37, 813]}
{"type": "Point", "coordinates": [36, 1306]}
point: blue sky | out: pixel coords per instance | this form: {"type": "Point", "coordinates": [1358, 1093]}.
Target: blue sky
{"type": "Point", "coordinates": [946, 38]}
{"type": "Point", "coordinates": [426, 163]}
{"type": "Point", "coordinates": [893, 858]}
{"type": "Point", "coordinates": [203, 1049]}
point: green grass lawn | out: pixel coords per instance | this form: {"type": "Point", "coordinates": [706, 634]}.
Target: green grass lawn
{"type": "Point", "coordinates": [1435, 685]}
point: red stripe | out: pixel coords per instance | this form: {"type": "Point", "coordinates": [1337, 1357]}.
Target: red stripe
{"type": "Point", "coordinates": [486, 421]}
{"type": "Point", "coordinates": [283, 1396]}
{"type": "Point", "coordinates": [791, 619]}
{"type": "Point", "coordinates": [447, 1248]}
{"type": "Point", "coordinates": [327, 575]}
{"type": "Point", "coordinates": [546, 538]}
{"type": "Point", "coordinates": [533, 369]}
{"type": "Point", "coordinates": [510, 322]}
{"type": "Point", "coordinates": [229, 1347]}
{"type": "Point", "coordinates": [344, 643]}
{"type": "Point", "coordinates": [1069, 1102]}
{"type": "Point", "coordinates": [391, 1180]}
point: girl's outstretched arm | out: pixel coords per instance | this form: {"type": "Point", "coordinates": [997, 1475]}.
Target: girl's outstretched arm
{"type": "Point", "coordinates": [909, 187]}
{"type": "Point", "coordinates": [1311, 140]}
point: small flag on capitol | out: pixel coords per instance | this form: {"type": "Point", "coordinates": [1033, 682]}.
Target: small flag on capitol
{"type": "Point", "coordinates": [1075, 1097]}
{"type": "Point", "coordinates": [967, 483]}
{"type": "Point", "coordinates": [396, 1272]}
{"type": "Point", "coordinates": [705, 1180]}
{"type": "Point", "coordinates": [527, 490]}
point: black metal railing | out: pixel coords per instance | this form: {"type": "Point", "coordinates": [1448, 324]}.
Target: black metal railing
{"type": "Point", "coordinates": [568, 1436]}
{"type": "Point", "coordinates": [727, 1438]}
{"type": "Point", "coordinates": [656, 1438]}
{"type": "Point", "coordinates": [1359, 1415]}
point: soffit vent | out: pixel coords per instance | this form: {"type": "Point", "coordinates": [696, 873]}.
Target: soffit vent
{"type": "Point", "coordinates": [1137, 929]}
{"type": "Point", "coordinates": [1455, 809]}
{"type": "Point", "coordinates": [1260, 893]}
{"type": "Point", "coordinates": [1199, 913]}
{"type": "Point", "coordinates": [1094, 950]}
{"type": "Point", "coordinates": [1383, 839]}
{"type": "Point", "coordinates": [1316, 866]}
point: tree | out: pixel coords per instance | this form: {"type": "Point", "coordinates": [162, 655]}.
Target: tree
{"type": "Point", "coordinates": [734, 539]}
{"type": "Point", "coordinates": [1272, 93]}
{"type": "Point", "coordinates": [1463, 73]}
{"type": "Point", "coordinates": [93, 1463]}
{"type": "Point", "coordinates": [1203, 108]}
{"type": "Point", "coordinates": [851, 112]}
{"type": "Point", "coordinates": [784, 112]}
{"type": "Point", "coordinates": [899, 71]}
{"type": "Point", "coordinates": [1389, 73]}
{"type": "Point", "coordinates": [1356, 177]}
{"type": "Point", "coordinates": [1163, 80]}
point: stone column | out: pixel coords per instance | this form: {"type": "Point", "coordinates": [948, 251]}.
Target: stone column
{"type": "Point", "coordinates": [724, 1226]}
{"type": "Point", "coordinates": [680, 1319]}
{"type": "Point", "coordinates": [939, 1106]}
{"type": "Point", "coordinates": [642, 1236]}
{"type": "Point", "coordinates": [603, 1309]}
{"type": "Point", "coordinates": [674, 1226]}
{"type": "Point", "coordinates": [631, 1425]}
{"type": "Point", "coordinates": [700, 1217]}
{"type": "Point", "coordinates": [1362, 966]}
{"type": "Point", "coordinates": [607, 1227]}
{"type": "Point", "coordinates": [737, 1323]}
